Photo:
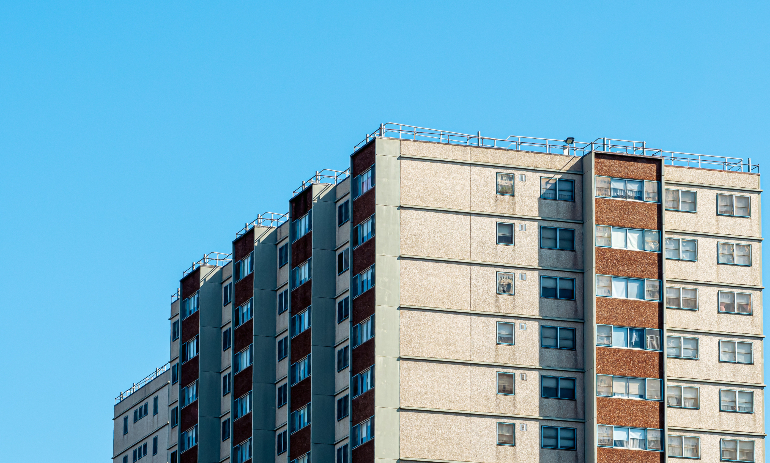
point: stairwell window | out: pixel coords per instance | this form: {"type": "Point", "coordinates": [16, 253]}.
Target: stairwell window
{"type": "Point", "coordinates": [362, 382]}
{"type": "Point", "coordinates": [243, 359]}
{"type": "Point", "coordinates": [281, 442]}
{"type": "Point", "coordinates": [681, 249]}
{"type": "Point", "coordinates": [505, 233]}
{"type": "Point", "coordinates": [300, 322]}
{"type": "Point", "coordinates": [242, 452]}
{"type": "Point", "coordinates": [632, 239]}
{"type": "Point", "coordinates": [559, 438]}
{"type": "Point", "coordinates": [189, 439]}
{"type": "Point", "coordinates": [244, 313]}
{"type": "Point", "coordinates": [189, 349]}
{"type": "Point", "coordinates": [301, 274]}
{"type": "Point", "coordinates": [363, 281]}
{"type": "Point", "coordinates": [299, 419]}
{"type": "Point", "coordinates": [244, 267]}
{"type": "Point", "coordinates": [342, 407]}
{"type": "Point", "coordinates": [189, 306]}
{"type": "Point", "coordinates": [731, 400]}
{"type": "Point", "coordinates": [343, 358]}
{"type": "Point", "coordinates": [505, 283]}
{"type": "Point", "coordinates": [342, 454]}
{"type": "Point", "coordinates": [557, 189]}
{"type": "Point", "coordinates": [562, 239]}
{"type": "Point", "coordinates": [505, 333]}
{"type": "Point", "coordinates": [242, 406]}
{"type": "Point", "coordinates": [683, 397]}
{"type": "Point", "coordinates": [736, 352]}
{"type": "Point", "coordinates": [684, 446]}
{"type": "Point", "coordinates": [175, 330]}
{"type": "Point", "coordinates": [557, 337]}
{"type": "Point", "coordinates": [363, 182]}
{"type": "Point", "coordinates": [681, 298]}
{"type": "Point", "coordinates": [363, 332]}
{"type": "Point", "coordinates": [282, 395]}
{"type": "Point", "coordinates": [628, 337]}
{"type": "Point", "coordinates": [735, 303]}
{"type": "Point", "coordinates": [505, 434]}
{"type": "Point", "coordinates": [734, 254]}
{"type": "Point", "coordinates": [627, 288]}
{"type": "Point", "coordinates": [299, 370]}
{"type": "Point", "coordinates": [505, 184]}
{"type": "Point", "coordinates": [283, 348]}
{"type": "Point", "coordinates": [363, 232]}
{"type": "Point", "coordinates": [362, 433]}
{"type": "Point", "coordinates": [681, 200]}
{"type": "Point", "coordinates": [682, 347]}
{"type": "Point", "coordinates": [557, 288]}
{"type": "Point", "coordinates": [628, 387]}
{"type": "Point", "coordinates": [733, 205]}
{"type": "Point", "coordinates": [736, 450]}
{"type": "Point", "coordinates": [227, 294]}
{"type": "Point", "coordinates": [621, 188]}
{"type": "Point", "coordinates": [302, 226]}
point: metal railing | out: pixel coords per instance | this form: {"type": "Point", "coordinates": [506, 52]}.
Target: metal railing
{"type": "Point", "coordinates": [143, 382]}
{"type": "Point", "coordinates": [265, 219]}
{"type": "Point", "coordinates": [175, 296]}
{"type": "Point", "coordinates": [554, 146]}
{"type": "Point", "coordinates": [217, 259]}
{"type": "Point", "coordinates": [329, 176]}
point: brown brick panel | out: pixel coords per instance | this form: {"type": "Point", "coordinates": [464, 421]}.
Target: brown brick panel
{"type": "Point", "coordinates": [189, 371]}
{"type": "Point", "coordinates": [243, 290]}
{"type": "Point", "coordinates": [242, 428]}
{"type": "Point", "coordinates": [243, 336]}
{"type": "Point", "coordinates": [362, 159]}
{"type": "Point", "coordinates": [242, 381]}
{"type": "Point", "coordinates": [301, 345]}
{"type": "Point", "coordinates": [623, 263]}
{"type": "Point", "coordinates": [302, 249]}
{"type": "Point", "coordinates": [301, 297]}
{"type": "Point", "coordinates": [606, 455]}
{"type": "Point", "coordinates": [363, 306]}
{"type": "Point", "coordinates": [363, 207]}
{"type": "Point", "coordinates": [628, 362]}
{"type": "Point", "coordinates": [627, 312]}
{"type": "Point", "coordinates": [191, 283]}
{"type": "Point", "coordinates": [188, 416]}
{"type": "Point", "coordinates": [299, 443]}
{"type": "Point", "coordinates": [363, 257]}
{"type": "Point", "coordinates": [243, 246]}
{"type": "Point", "coordinates": [190, 327]}
{"type": "Point", "coordinates": [363, 357]}
{"type": "Point", "coordinates": [300, 394]}
{"type": "Point", "coordinates": [362, 407]}
{"type": "Point", "coordinates": [190, 456]}
{"type": "Point", "coordinates": [364, 453]}
{"type": "Point", "coordinates": [302, 203]}
{"type": "Point", "coordinates": [628, 214]}
{"type": "Point", "coordinates": [629, 412]}
{"type": "Point", "coordinates": [635, 167]}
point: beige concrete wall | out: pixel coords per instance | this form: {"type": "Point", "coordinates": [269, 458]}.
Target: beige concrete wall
{"type": "Point", "coordinates": [710, 417]}
{"type": "Point", "coordinates": [449, 437]}
{"type": "Point", "coordinates": [710, 446]}
{"type": "Point", "coordinates": [706, 220]}
{"type": "Point", "coordinates": [708, 366]}
{"type": "Point", "coordinates": [708, 318]}
{"type": "Point", "coordinates": [711, 177]}
{"type": "Point", "coordinates": [466, 287]}
{"type": "Point", "coordinates": [707, 269]}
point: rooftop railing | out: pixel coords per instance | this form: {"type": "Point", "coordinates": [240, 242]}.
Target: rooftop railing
{"type": "Point", "coordinates": [561, 147]}
{"type": "Point", "coordinates": [175, 296]}
{"type": "Point", "coordinates": [217, 259]}
{"type": "Point", "coordinates": [329, 176]}
{"type": "Point", "coordinates": [265, 219]}
{"type": "Point", "coordinates": [143, 382]}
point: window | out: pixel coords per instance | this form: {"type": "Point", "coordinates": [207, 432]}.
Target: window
{"type": "Point", "coordinates": [226, 383]}
{"type": "Point", "coordinates": [244, 313]}
{"type": "Point", "coordinates": [363, 281]}
{"type": "Point", "coordinates": [342, 407]}
{"type": "Point", "coordinates": [154, 405]}
{"type": "Point", "coordinates": [173, 457]}
{"type": "Point", "coordinates": [244, 267]}
{"type": "Point", "coordinates": [632, 239]}
{"type": "Point", "coordinates": [175, 330]}
{"type": "Point", "coordinates": [343, 356]}
{"type": "Point", "coordinates": [504, 233]}
{"type": "Point", "coordinates": [243, 359]}
{"type": "Point", "coordinates": [505, 184]}
{"type": "Point", "coordinates": [283, 255]}
{"type": "Point", "coordinates": [300, 370]}
{"type": "Point", "coordinates": [635, 190]}
{"type": "Point", "coordinates": [681, 298]}
{"type": "Point", "coordinates": [737, 450]}
{"type": "Point", "coordinates": [343, 213]}
{"type": "Point", "coordinates": [174, 373]}
{"type": "Point", "coordinates": [140, 412]}
{"type": "Point", "coordinates": [505, 434]}
{"type": "Point", "coordinates": [125, 459]}
{"type": "Point", "coordinates": [225, 429]}
{"type": "Point", "coordinates": [283, 348]}
{"type": "Point", "coordinates": [125, 425]}
{"type": "Point", "coordinates": [736, 303]}
{"type": "Point", "coordinates": [682, 347]}
{"type": "Point", "coordinates": [242, 452]}
{"type": "Point", "coordinates": [736, 401]}
{"type": "Point", "coordinates": [630, 438]}
{"type": "Point", "coordinates": [343, 261]}
{"type": "Point", "coordinates": [301, 274]}
{"type": "Point", "coordinates": [283, 394]}
{"type": "Point", "coordinates": [557, 288]}
{"type": "Point", "coordinates": [189, 306]}
{"type": "Point", "coordinates": [299, 418]}
{"type": "Point", "coordinates": [342, 454]}
{"type": "Point", "coordinates": [554, 387]}
{"type": "Point", "coordinates": [627, 288]}
{"type": "Point", "coordinates": [557, 189]}
{"type": "Point", "coordinates": [363, 332]}
{"type": "Point", "coordinates": [629, 338]}
{"type": "Point", "coordinates": [363, 183]}
{"type": "Point", "coordinates": [505, 333]}
{"type": "Point", "coordinates": [188, 439]}
{"type": "Point", "coordinates": [140, 452]}
{"type": "Point", "coordinates": [628, 387]}
{"type": "Point", "coordinates": [557, 238]}
{"type": "Point", "coordinates": [283, 301]}
{"type": "Point", "coordinates": [300, 322]}
{"type": "Point", "coordinates": [189, 349]}
{"type": "Point", "coordinates": [302, 226]}
{"type": "Point", "coordinates": [505, 283]}
{"type": "Point", "coordinates": [734, 205]}
{"type": "Point", "coordinates": [227, 294]}
{"type": "Point", "coordinates": [683, 446]}
{"type": "Point", "coordinates": [681, 200]}
{"type": "Point", "coordinates": [189, 394]}
{"type": "Point", "coordinates": [683, 397]}
{"type": "Point", "coordinates": [362, 382]}
{"type": "Point", "coordinates": [681, 249]}
{"type": "Point", "coordinates": [735, 352]}
{"type": "Point", "coordinates": [362, 433]}
{"type": "Point", "coordinates": [227, 339]}
{"type": "Point", "coordinates": [281, 442]}
{"type": "Point", "coordinates": [557, 337]}
{"type": "Point", "coordinates": [505, 383]}
{"type": "Point", "coordinates": [242, 406]}
{"type": "Point", "coordinates": [553, 437]}
{"type": "Point", "coordinates": [343, 309]}
{"type": "Point", "coordinates": [175, 417]}
{"type": "Point", "coordinates": [734, 254]}
{"type": "Point", "coordinates": [363, 232]}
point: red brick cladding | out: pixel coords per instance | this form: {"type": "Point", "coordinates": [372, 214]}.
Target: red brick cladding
{"type": "Point", "coordinates": [636, 264]}
{"type": "Point", "coordinates": [363, 357]}
{"type": "Point", "coordinates": [628, 214]}
{"type": "Point", "coordinates": [188, 416]}
{"type": "Point", "coordinates": [363, 407]}
{"type": "Point", "coordinates": [363, 306]}
{"type": "Point", "coordinates": [190, 456]}
{"type": "Point", "coordinates": [363, 257]}
{"type": "Point", "coordinates": [242, 428]}
{"type": "Point", "coordinates": [628, 312]}
{"type": "Point", "coordinates": [300, 394]}
{"type": "Point", "coordinates": [605, 455]}
{"type": "Point", "coordinates": [191, 283]}
{"type": "Point", "coordinates": [629, 412]}
{"type": "Point", "coordinates": [301, 204]}
{"type": "Point", "coordinates": [302, 249]}
{"type": "Point", "coordinates": [628, 362]}
{"type": "Point", "coordinates": [242, 381]}
{"type": "Point", "coordinates": [635, 167]}
{"type": "Point", "coordinates": [363, 207]}
{"type": "Point", "coordinates": [189, 371]}
{"type": "Point", "coordinates": [244, 290]}
{"type": "Point", "coordinates": [364, 453]}
{"type": "Point", "coordinates": [243, 336]}
{"type": "Point", "coordinates": [362, 159]}
{"type": "Point", "coordinates": [243, 246]}
{"type": "Point", "coordinates": [301, 297]}
{"type": "Point", "coordinates": [299, 443]}
{"type": "Point", "coordinates": [301, 345]}
{"type": "Point", "coordinates": [190, 327]}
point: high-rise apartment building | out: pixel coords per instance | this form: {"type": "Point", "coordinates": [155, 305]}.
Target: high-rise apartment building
{"type": "Point", "coordinates": [456, 298]}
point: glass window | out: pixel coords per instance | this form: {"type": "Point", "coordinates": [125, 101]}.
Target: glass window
{"type": "Point", "coordinates": [505, 433]}
{"type": "Point", "coordinates": [738, 206]}
{"type": "Point", "coordinates": [635, 190]}
{"type": "Point", "coordinates": [363, 282]}
{"type": "Point", "coordinates": [651, 191]}
{"type": "Point", "coordinates": [504, 233]}
{"type": "Point", "coordinates": [505, 283]}
{"type": "Point", "coordinates": [731, 302]}
{"type": "Point", "coordinates": [604, 335]}
{"type": "Point", "coordinates": [557, 288]}
{"type": "Point", "coordinates": [505, 333]}
{"type": "Point", "coordinates": [682, 347]}
{"type": "Point", "coordinates": [363, 183]}
{"type": "Point", "coordinates": [653, 391]}
{"type": "Point", "coordinates": [681, 200]}
{"type": "Point", "coordinates": [605, 436]}
{"type": "Point", "coordinates": [618, 187]}
{"type": "Point", "coordinates": [603, 187]}
{"type": "Point", "coordinates": [737, 450]}
{"type": "Point", "coordinates": [505, 383]}
{"type": "Point", "coordinates": [505, 184]}
{"type": "Point", "coordinates": [604, 385]}
{"type": "Point", "coordinates": [343, 213]}
{"type": "Point", "coordinates": [557, 189]}
{"type": "Point", "coordinates": [620, 437]}
{"type": "Point", "coordinates": [735, 352]}
{"type": "Point", "coordinates": [603, 286]}
{"type": "Point", "coordinates": [604, 235]}
{"type": "Point", "coordinates": [554, 337]}
{"type": "Point", "coordinates": [363, 232]}
{"type": "Point", "coordinates": [654, 440]}
{"type": "Point", "coordinates": [554, 387]}
{"type": "Point", "coordinates": [681, 249]}
{"type": "Point", "coordinates": [552, 437]}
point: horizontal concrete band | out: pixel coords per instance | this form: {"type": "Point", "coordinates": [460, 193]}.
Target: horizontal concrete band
{"type": "Point", "coordinates": [712, 283]}
{"type": "Point", "coordinates": [722, 333]}
{"type": "Point", "coordinates": [143, 438]}
{"type": "Point", "coordinates": [492, 164]}
{"type": "Point", "coordinates": [713, 187]}
{"type": "Point", "coordinates": [489, 314]}
{"type": "Point", "coordinates": [487, 214]}
{"type": "Point", "coordinates": [713, 381]}
{"type": "Point", "coordinates": [471, 362]}
{"type": "Point", "coordinates": [714, 235]}
{"type": "Point", "coordinates": [489, 415]}
{"type": "Point", "coordinates": [491, 264]}
{"type": "Point", "coordinates": [717, 431]}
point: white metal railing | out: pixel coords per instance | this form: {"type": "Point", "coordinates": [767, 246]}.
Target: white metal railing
{"type": "Point", "coordinates": [217, 259]}
{"type": "Point", "coordinates": [143, 382]}
{"type": "Point", "coordinates": [555, 146]}
{"type": "Point", "coordinates": [329, 176]}
{"type": "Point", "coordinates": [265, 219]}
{"type": "Point", "coordinates": [175, 296]}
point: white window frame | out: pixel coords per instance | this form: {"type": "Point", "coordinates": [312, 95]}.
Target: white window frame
{"type": "Point", "coordinates": [681, 396]}
{"type": "Point", "coordinates": [645, 189]}
{"type": "Point", "coordinates": [751, 344]}
{"type": "Point", "coordinates": [681, 347]}
{"type": "Point", "coordinates": [648, 286]}
{"type": "Point", "coordinates": [735, 303]}
{"type": "Point", "coordinates": [733, 254]}
{"type": "Point", "coordinates": [737, 450]}
{"type": "Point", "coordinates": [681, 290]}
{"type": "Point", "coordinates": [497, 183]}
{"type": "Point", "coordinates": [734, 198]}
{"type": "Point", "coordinates": [679, 200]}
{"type": "Point", "coordinates": [673, 438]}
{"type": "Point", "coordinates": [680, 242]}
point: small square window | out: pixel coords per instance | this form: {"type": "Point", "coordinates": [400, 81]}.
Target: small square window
{"type": "Point", "coordinates": [504, 233]}
{"type": "Point", "coordinates": [505, 184]}
{"type": "Point", "coordinates": [505, 333]}
{"type": "Point", "coordinates": [505, 433]}
{"type": "Point", "coordinates": [505, 383]}
{"type": "Point", "coordinates": [505, 283]}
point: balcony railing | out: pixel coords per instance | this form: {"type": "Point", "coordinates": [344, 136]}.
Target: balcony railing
{"type": "Point", "coordinates": [329, 176]}
{"type": "Point", "coordinates": [143, 382]}
{"type": "Point", "coordinates": [217, 259]}
{"type": "Point", "coordinates": [265, 219]}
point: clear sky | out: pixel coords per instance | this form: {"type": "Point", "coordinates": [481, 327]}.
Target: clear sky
{"type": "Point", "coordinates": [136, 136]}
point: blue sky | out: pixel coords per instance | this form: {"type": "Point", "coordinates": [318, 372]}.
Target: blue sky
{"type": "Point", "coordinates": [136, 136]}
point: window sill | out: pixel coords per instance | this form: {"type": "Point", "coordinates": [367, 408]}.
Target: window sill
{"type": "Point", "coordinates": [682, 308]}
{"type": "Point", "coordinates": [629, 200]}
